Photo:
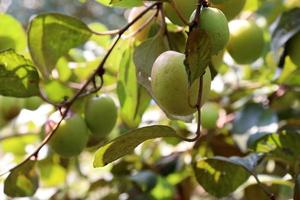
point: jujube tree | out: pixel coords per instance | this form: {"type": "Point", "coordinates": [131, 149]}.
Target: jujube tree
{"type": "Point", "coordinates": [206, 89]}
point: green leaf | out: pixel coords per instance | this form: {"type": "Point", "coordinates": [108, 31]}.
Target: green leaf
{"type": "Point", "coordinates": [57, 91]}
{"type": "Point", "coordinates": [52, 174]}
{"type": "Point", "coordinates": [22, 181]}
{"type": "Point", "coordinates": [52, 36]}
{"type": "Point", "coordinates": [12, 34]}
{"type": "Point", "coordinates": [121, 3]}
{"type": "Point", "coordinates": [270, 9]}
{"type": "Point", "coordinates": [254, 115]}
{"type": "Point", "coordinates": [285, 28]}
{"type": "Point", "coordinates": [144, 57]}
{"type": "Point", "coordinates": [17, 145]}
{"type": "Point", "coordinates": [282, 189]}
{"type": "Point", "coordinates": [288, 71]}
{"type": "Point", "coordinates": [284, 146]}
{"type": "Point", "coordinates": [220, 176]}
{"type": "Point", "coordinates": [198, 51]}
{"type": "Point", "coordinates": [133, 98]}
{"type": "Point", "coordinates": [18, 77]}
{"type": "Point", "coordinates": [177, 41]}
{"type": "Point", "coordinates": [126, 143]}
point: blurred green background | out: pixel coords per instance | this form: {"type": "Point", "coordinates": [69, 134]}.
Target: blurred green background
{"type": "Point", "coordinates": [86, 10]}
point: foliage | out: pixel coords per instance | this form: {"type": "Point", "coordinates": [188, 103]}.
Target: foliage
{"type": "Point", "coordinates": [131, 146]}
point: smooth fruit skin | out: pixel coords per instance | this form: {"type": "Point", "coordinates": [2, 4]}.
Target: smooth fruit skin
{"type": "Point", "coordinates": [134, 12]}
{"type": "Point", "coordinates": [231, 8]}
{"type": "Point", "coordinates": [185, 7]}
{"type": "Point", "coordinates": [170, 87]}
{"type": "Point", "coordinates": [293, 49]}
{"type": "Point", "coordinates": [246, 42]}
{"type": "Point", "coordinates": [100, 115]}
{"type": "Point", "coordinates": [214, 22]}
{"type": "Point", "coordinates": [71, 137]}
{"type": "Point", "coordinates": [209, 115]}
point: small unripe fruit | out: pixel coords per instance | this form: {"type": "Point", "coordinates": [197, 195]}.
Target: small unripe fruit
{"type": "Point", "coordinates": [100, 115]}
{"type": "Point", "coordinates": [10, 107]}
{"type": "Point", "coordinates": [214, 22]}
{"type": "Point", "coordinates": [185, 7]}
{"type": "Point", "coordinates": [142, 34]}
{"type": "Point", "coordinates": [293, 49]}
{"type": "Point", "coordinates": [170, 86]}
{"type": "Point", "coordinates": [231, 8]}
{"type": "Point", "coordinates": [71, 137]}
{"type": "Point", "coordinates": [246, 42]}
{"type": "Point", "coordinates": [209, 115]}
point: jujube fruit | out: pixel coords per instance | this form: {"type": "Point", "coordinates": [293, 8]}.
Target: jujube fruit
{"type": "Point", "coordinates": [10, 107]}
{"type": "Point", "coordinates": [231, 8]}
{"type": "Point", "coordinates": [71, 137]}
{"type": "Point", "coordinates": [170, 86]}
{"type": "Point", "coordinates": [246, 42]}
{"type": "Point", "coordinates": [100, 115]}
{"type": "Point", "coordinates": [209, 115]}
{"type": "Point", "coordinates": [214, 22]}
{"type": "Point", "coordinates": [133, 13]}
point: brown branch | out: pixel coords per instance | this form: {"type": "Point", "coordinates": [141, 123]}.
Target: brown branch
{"type": "Point", "coordinates": [68, 103]}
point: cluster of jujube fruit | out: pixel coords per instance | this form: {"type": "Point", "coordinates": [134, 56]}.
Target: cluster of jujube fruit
{"type": "Point", "coordinates": [243, 39]}
{"type": "Point", "coordinates": [75, 131]}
